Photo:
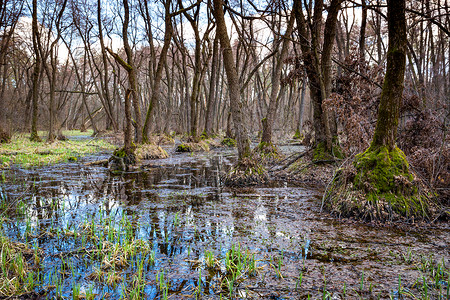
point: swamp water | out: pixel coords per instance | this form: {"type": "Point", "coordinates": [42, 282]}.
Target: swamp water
{"type": "Point", "coordinates": [172, 231]}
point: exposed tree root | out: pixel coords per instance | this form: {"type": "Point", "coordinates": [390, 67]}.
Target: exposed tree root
{"type": "Point", "coordinates": [121, 160]}
{"type": "Point", "coordinates": [4, 137]}
{"type": "Point", "coordinates": [248, 171]}
{"type": "Point", "coordinates": [268, 153]}
{"type": "Point", "coordinates": [378, 185]}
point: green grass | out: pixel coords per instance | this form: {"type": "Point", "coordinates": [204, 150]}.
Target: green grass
{"type": "Point", "coordinates": [70, 133]}
{"type": "Point", "coordinates": [24, 153]}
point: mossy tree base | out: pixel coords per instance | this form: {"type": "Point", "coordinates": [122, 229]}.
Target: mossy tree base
{"type": "Point", "coordinates": [248, 171]}
{"type": "Point", "coordinates": [268, 152]}
{"type": "Point", "coordinates": [378, 186]}
{"type": "Point", "coordinates": [320, 152]}
{"type": "Point", "coordinates": [122, 160]}
{"type": "Point", "coordinates": [228, 142]}
{"type": "Point", "coordinates": [298, 135]}
{"type": "Point", "coordinates": [193, 147]}
{"type": "Point", "coordinates": [35, 138]}
{"type": "Point", "coordinates": [4, 137]}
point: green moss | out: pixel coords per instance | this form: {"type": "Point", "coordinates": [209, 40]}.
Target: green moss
{"type": "Point", "coordinates": [229, 142]}
{"type": "Point", "coordinates": [120, 152]}
{"type": "Point", "coordinates": [320, 152]}
{"type": "Point", "coordinates": [379, 186]}
{"type": "Point", "coordinates": [298, 135]}
{"type": "Point", "coordinates": [204, 136]}
{"type": "Point", "coordinates": [193, 147]}
{"type": "Point", "coordinates": [72, 159]}
{"type": "Point", "coordinates": [183, 148]}
{"type": "Point", "coordinates": [381, 170]}
{"type": "Point", "coordinates": [384, 175]}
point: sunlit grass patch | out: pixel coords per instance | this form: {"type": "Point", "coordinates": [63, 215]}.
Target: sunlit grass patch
{"type": "Point", "coordinates": [69, 133]}
{"type": "Point", "coordinates": [25, 153]}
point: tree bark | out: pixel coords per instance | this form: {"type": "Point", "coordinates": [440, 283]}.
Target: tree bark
{"type": "Point", "coordinates": [159, 70]}
{"type": "Point", "coordinates": [211, 105]}
{"type": "Point", "coordinates": [391, 96]}
{"type": "Point", "coordinates": [104, 83]}
{"type": "Point", "coordinates": [318, 67]}
{"type": "Point", "coordinates": [243, 142]}
{"type": "Point", "coordinates": [269, 120]}
{"type": "Point", "coordinates": [132, 81]}
{"type": "Point", "coordinates": [36, 73]}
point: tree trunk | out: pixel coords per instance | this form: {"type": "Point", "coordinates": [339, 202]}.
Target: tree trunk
{"type": "Point", "coordinates": [104, 83]}
{"type": "Point", "coordinates": [132, 81]}
{"type": "Point", "coordinates": [243, 142]}
{"type": "Point", "coordinates": [36, 73]}
{"type": "Point", "coordinates": [362, 32]}
{"type": "Point", "coordinates": [391, 96]}
{"type": "Point", "coordinates": [211, 105]}
{"type": "Point", "coordinates": [318, 67]}
{"type": "Point", "coordinates": [159, 71]}
{"type": "Point", "coordinates": [269, 120]}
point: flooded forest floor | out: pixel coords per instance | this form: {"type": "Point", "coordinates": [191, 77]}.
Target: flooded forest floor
{"type": "Point", "coordinates": [170, 230]}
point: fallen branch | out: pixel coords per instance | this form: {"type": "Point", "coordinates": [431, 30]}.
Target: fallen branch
{"type": "Point", "coordinates": [293, 160]}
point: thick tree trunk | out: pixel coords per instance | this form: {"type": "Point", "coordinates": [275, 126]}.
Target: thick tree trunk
{"type": "Point", "coordinates": [391, 96]}
{"type": "Point", "coordinates": [318, 68]}
{"type": "Point", "coordinates": [243, 142]}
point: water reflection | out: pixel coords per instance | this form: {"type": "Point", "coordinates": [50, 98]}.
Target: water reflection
{"type": "Point", "coordinates": [178, 207]}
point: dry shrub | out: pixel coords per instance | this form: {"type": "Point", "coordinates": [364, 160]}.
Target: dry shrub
{"type": "Point", "coordinates": [355, 101]}
{"type": "Point", "coordinates": [425, 141]}
{"type": "Point", "coordinates": [150, 151]}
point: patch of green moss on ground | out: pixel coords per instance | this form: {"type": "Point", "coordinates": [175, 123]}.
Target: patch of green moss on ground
{"type": "Point", "coordinates": [25, 153]}
{"type": "Point", "coordinates": [193, 147]}
{"type": "Point", "coordinates": [204, 136]}
{"type": "Point", "coordinates": [183, 148]}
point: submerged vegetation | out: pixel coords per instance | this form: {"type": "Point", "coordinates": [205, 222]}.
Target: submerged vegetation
{"type": "Point", "coordinates": [112, 251]}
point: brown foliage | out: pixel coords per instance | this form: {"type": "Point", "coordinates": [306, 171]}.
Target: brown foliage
{"type": "Point", "coordinates": [355, 101]}
{"type": "Point", "coordinates": [422, 129]}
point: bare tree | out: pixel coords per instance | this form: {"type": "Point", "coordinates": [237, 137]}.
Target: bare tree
{"type": "Point", "coordinates": [317, 61]}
